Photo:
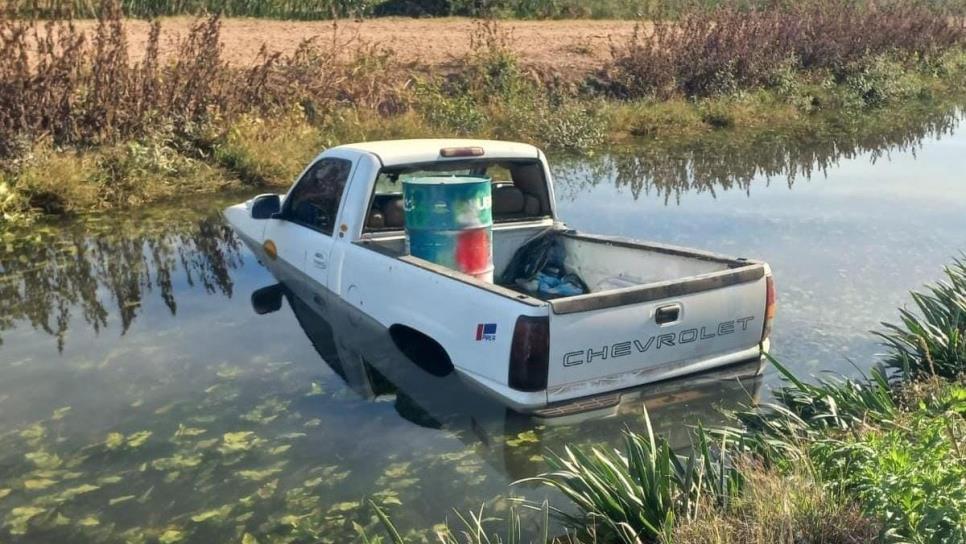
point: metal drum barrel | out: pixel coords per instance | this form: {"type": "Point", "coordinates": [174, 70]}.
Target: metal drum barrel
{"type": "Point", "coordinates": [449, 221]}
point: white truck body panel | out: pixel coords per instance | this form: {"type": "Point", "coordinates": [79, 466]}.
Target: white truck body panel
{"type": "Point", "coordinates": [600, 342]}
{"type": "Point", "coordinates": [395, 152]}
{"type": "Point", "coordinates": [450, 310]}
{"type": "Point", "coordinates": [599, 350]}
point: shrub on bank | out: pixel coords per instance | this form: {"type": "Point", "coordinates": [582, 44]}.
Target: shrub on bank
{"type": "Point", "coordinates": [910, 473]}
{"type": "Point", "coordinates": [781, 507]}
{"type": "Point", "coordinates": [726, 49]}
{"type": "Point", "coordinates": [268, 151]}
{"type": "Point", "coordinates": [57, 181]}
{"type": "Point", "coordinates": [494, 96]}
{"type": "Point", "coordinates": [54, 83]}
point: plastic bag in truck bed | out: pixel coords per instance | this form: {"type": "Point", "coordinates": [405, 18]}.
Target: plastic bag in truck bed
{"type": "Point", "coordinates": [538, 269]}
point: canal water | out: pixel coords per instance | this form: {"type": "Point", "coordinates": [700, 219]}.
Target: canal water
{"type": "Point", "coordinates": [143, 398]}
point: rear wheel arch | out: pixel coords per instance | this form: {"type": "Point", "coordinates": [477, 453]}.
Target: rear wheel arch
{"type": "Point", "coordinates": [420, 348]}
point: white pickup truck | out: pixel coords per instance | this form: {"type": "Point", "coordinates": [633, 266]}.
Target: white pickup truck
{"type": "Point", "coordinates": [648, 311]}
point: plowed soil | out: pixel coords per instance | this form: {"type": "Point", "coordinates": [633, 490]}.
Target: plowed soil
{"type": "Point", "coordinates": [561, 46]}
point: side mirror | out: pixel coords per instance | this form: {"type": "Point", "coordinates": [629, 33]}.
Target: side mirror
{"type": "Point", "coordinates": [265, 206]}
{"type": "Point", "coordinates": [268, 299]}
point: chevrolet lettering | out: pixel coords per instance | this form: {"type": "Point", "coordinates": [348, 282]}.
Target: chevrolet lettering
{"type": "Point", "coordinates": [666, 340]}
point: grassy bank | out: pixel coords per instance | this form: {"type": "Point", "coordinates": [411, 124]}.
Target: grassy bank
{"type": "Point", "coordinates": [83, 127]}
{"type": "Point", "coordinates": [878, 459]}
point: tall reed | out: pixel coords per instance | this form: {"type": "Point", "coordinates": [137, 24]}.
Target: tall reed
{"type": "Point", "coordinates": [59, 83]}
{"type": "Point", "coordinates": [931, 338]}
{"type": "Point", "coordinates": [278, 9]}
{"type": "Point", "coordinates": [718, 51]}
{"type": "Point", "coordinates": [639, 494]}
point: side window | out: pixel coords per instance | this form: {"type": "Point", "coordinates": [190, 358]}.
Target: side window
{"type": "Point", "coordinates": [314, 202]}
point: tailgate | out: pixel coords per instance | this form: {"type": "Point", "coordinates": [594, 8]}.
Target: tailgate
{"type": "Point", "coordinates": [616, 339]}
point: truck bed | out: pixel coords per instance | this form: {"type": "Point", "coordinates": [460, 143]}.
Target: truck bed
{"type": "Point", "coordinates": [605, 264]}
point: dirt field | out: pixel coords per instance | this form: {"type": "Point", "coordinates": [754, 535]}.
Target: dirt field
{"type": "Point", "coordinates": [561, 45]}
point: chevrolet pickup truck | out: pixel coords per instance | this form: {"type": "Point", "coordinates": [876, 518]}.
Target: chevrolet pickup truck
{"type": "Point", "coordinates": [358, 352]}
{"type": "Point", "coordinates": [647, 312]}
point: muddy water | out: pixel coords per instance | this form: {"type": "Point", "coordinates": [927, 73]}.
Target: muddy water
{"type": "Point", "coordinates": [143, 398]}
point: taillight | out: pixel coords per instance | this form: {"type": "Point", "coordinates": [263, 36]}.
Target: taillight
{"type": "Point", "coordinates": [771, 304]}
{"type": "Point", "coordinates": [530, 354]}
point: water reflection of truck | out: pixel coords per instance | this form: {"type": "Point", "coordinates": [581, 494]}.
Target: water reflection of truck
{"type": "Point", "coordinates": [362, 353]}
{"type": "Point", "coordinates": [648, 313]}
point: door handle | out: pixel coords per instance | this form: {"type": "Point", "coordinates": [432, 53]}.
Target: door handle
{"type": "Point", "coordinates": [319, 260]}
{"type": "Point", "coordinates": [667, 314]}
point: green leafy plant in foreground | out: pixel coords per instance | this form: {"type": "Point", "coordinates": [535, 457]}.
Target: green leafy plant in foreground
{"type": "Point", "coordinates": [893, 443]}
{"type": "Point", "coordinates": [803, 412]}
{"type": "Point", "coordinates": [931, 339]}
{"type": "Point", "coordinates": [640, 493]}
{"type": "Point", "coordinates": [909, 474]}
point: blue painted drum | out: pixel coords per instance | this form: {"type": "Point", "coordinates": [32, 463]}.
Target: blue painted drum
{"type": "Point", "coordinates": [449, 221]}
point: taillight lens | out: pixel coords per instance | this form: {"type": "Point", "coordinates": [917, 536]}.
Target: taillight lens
{"type": "Point", "coordinates": [530, 354]}
{"type": "Point", "coordinates": [771, 305]}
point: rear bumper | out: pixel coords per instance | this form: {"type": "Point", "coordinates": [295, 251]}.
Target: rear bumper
{"type": "Point", "coordinates": [646, 375]}
{"type": "Point", "coordinates": [604, 393]}
{"type": "Point", "coordinates": [594, 406]}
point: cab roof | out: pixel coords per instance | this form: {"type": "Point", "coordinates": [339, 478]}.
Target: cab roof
{"type": "Point", "coordinates": [396, 152]}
